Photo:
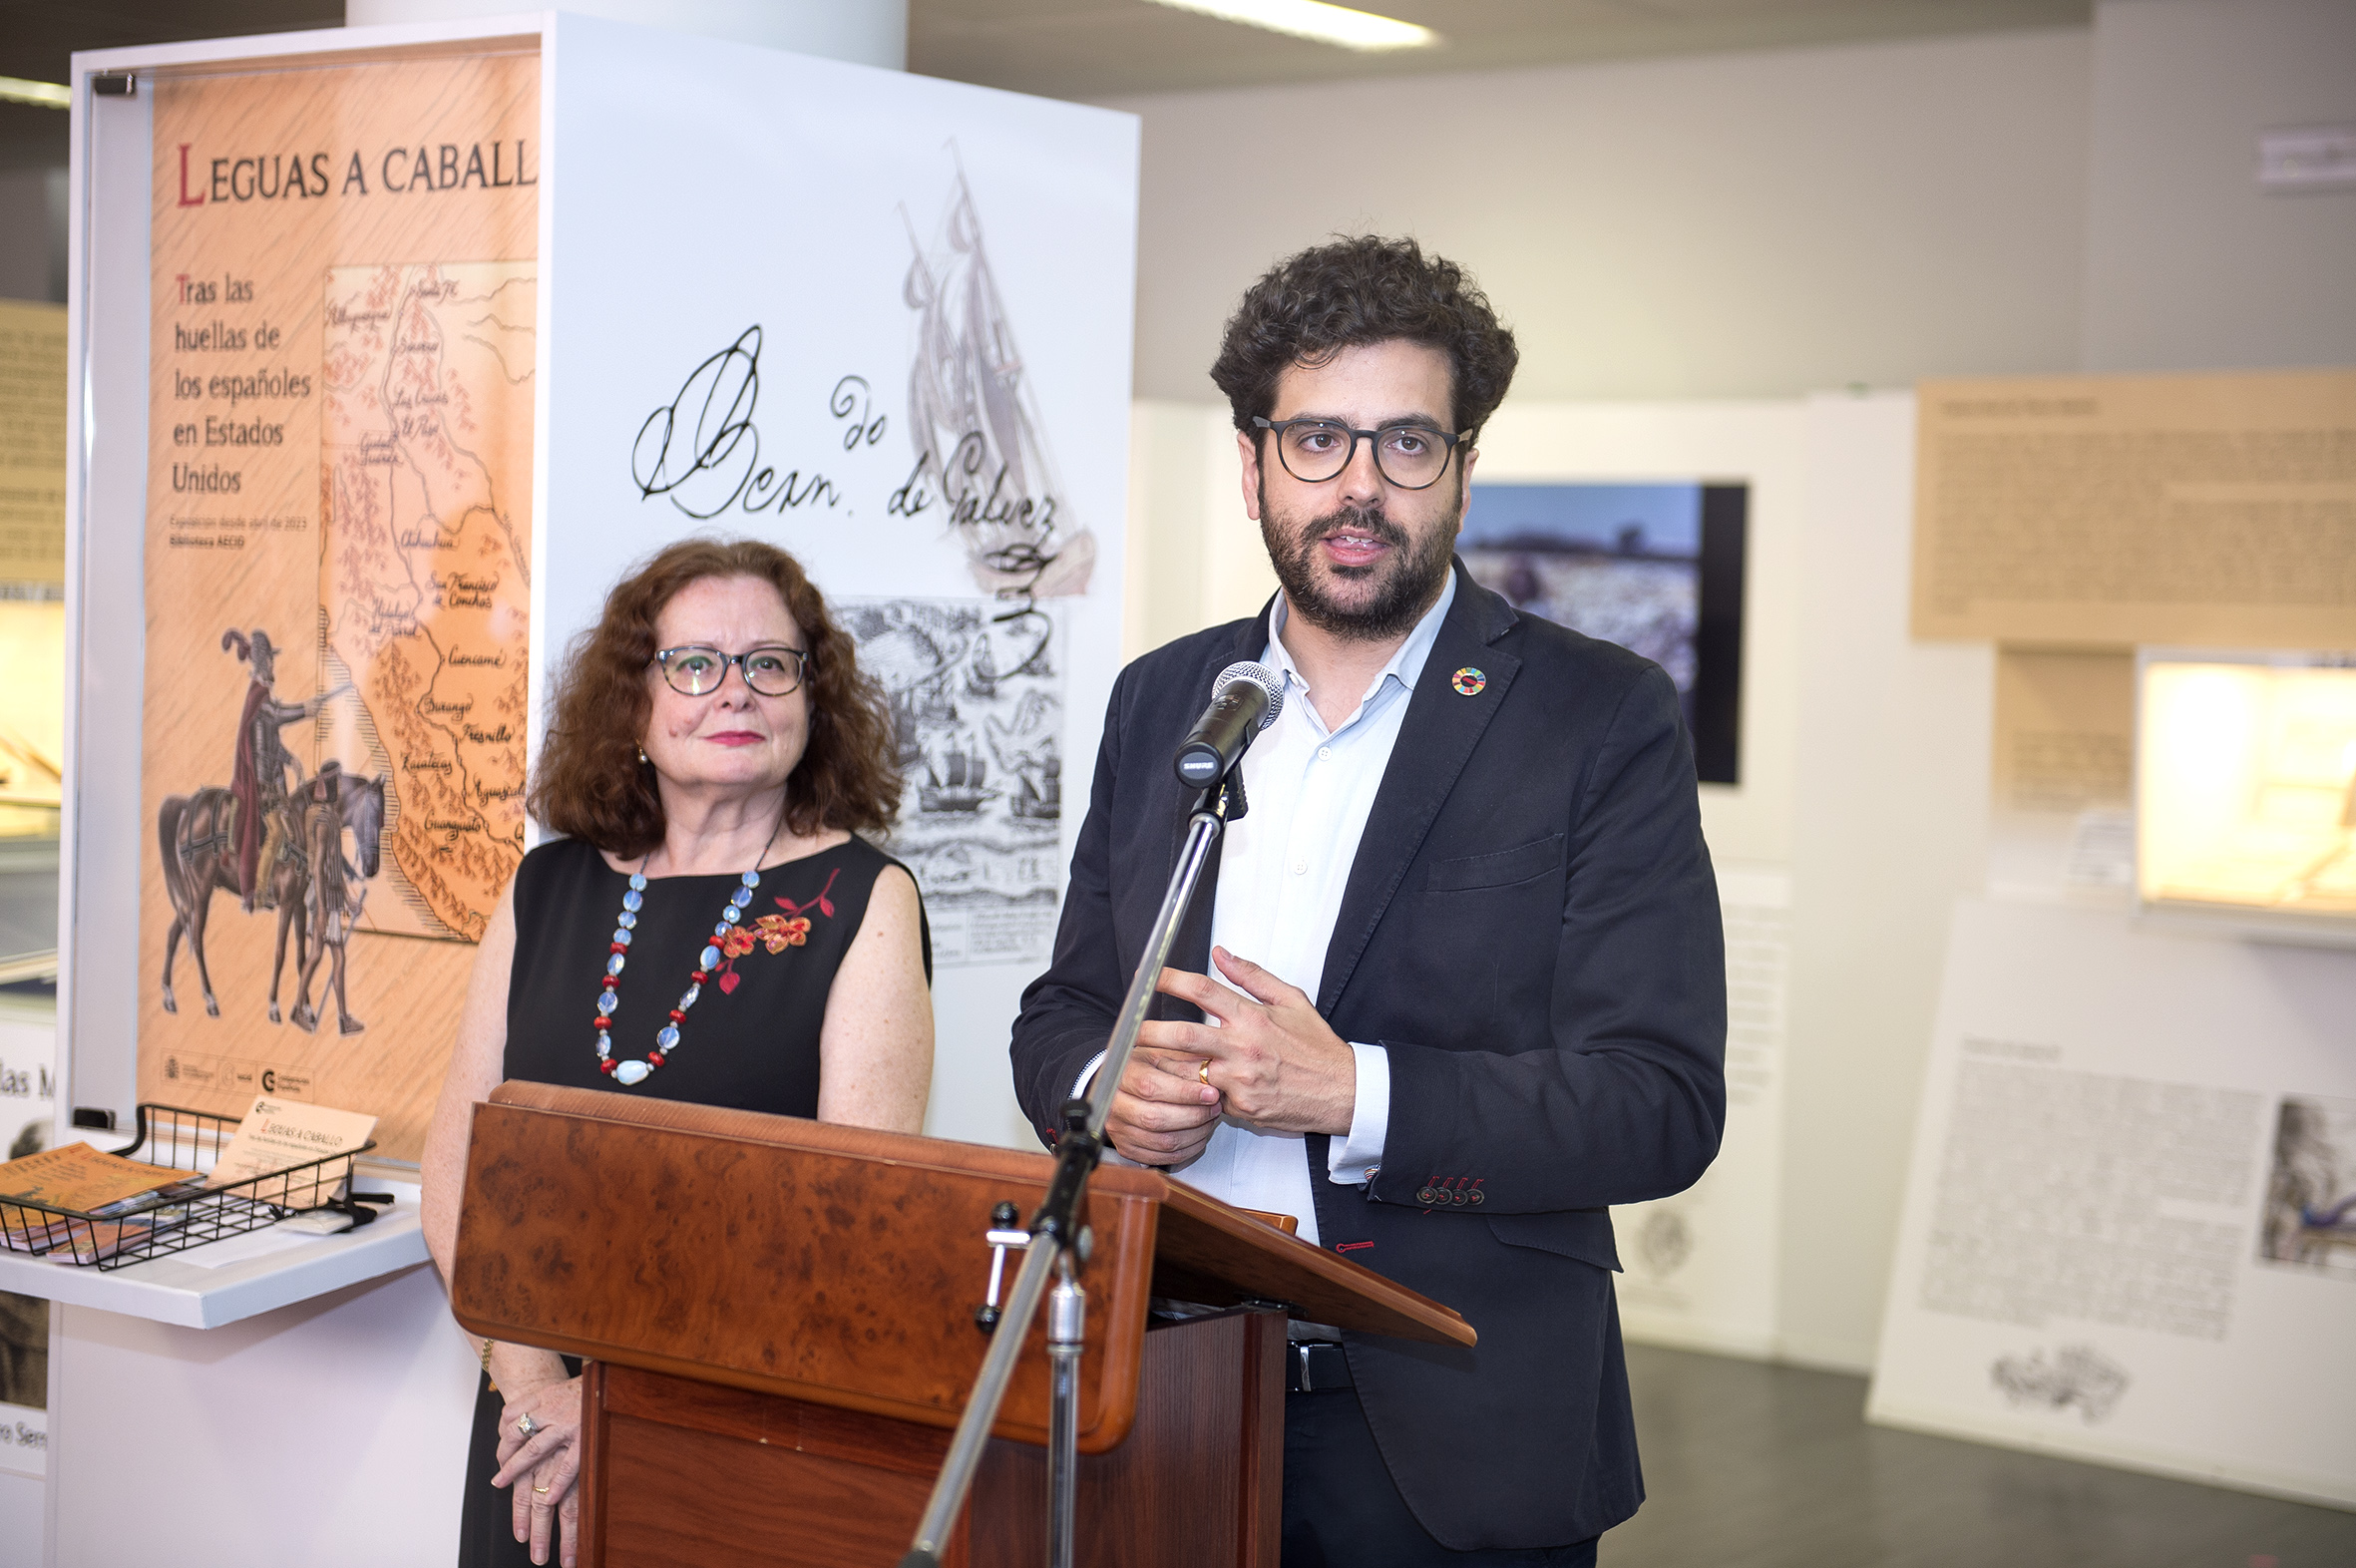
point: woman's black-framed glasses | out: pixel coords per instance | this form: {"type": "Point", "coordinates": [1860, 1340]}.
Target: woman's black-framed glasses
{"type": "Point", "coordinates": [696, 670]}
{"type": "Point", "coordinates": [1412, 457]}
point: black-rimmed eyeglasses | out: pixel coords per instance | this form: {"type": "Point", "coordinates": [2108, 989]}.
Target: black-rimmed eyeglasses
{"type": "Point", "coordinates": [1412, 457]}
{"type": "Point", "coordinates": [697, 670]}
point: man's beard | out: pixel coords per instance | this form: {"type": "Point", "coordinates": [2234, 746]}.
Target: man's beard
{"type": "Point", "coordinates": [1406, 581]}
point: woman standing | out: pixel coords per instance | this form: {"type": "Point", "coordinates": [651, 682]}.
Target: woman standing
{"type": "Point", "coordinates": [711, 930]}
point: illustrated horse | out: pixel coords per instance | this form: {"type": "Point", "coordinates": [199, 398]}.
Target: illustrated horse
{"type": "Point", "coordinates": [196, 836]}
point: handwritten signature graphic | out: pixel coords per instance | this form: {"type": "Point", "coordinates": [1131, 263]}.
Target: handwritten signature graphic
{"type": "Point", "coordinates": [702, 451]}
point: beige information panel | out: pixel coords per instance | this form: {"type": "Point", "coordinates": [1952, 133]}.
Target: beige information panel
{"type": "Point", "coordinates": [2065, 729]}
{"type": "Point", "coordinates": [2197, 509]}
{"type": "Point", "coordinates": [32, 442]}
{"type": "Point", "coordinates": [338, 562]}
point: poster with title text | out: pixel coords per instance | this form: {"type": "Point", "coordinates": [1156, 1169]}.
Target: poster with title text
{"type": "Point", "coordinates": [337, 571]}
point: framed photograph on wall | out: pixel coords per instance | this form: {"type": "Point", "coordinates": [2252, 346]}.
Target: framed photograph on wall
{"type": "Point", "coordinates": [1656, 568]}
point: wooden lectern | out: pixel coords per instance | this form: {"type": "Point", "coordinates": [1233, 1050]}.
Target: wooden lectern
{"type": "Point", "coordinates": [779, 1317]}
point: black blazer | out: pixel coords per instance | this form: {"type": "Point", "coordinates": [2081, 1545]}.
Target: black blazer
{"type": "Point", "coordinates": [1531, 929]}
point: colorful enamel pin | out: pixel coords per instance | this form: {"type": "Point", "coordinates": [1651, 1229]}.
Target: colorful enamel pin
{"type": "Point", "coordinates": [1468, 681]}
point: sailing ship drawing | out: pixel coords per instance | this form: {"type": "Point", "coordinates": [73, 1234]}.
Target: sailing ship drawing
{"type": "Point", "coordinates": [974, 420]}
{"type": "Point", "coordinates": [957, 778]}
{"type": "Point", "coordinates": [976, 704]}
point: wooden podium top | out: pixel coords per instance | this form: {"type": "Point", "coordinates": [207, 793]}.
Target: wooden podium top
{"type": "Point", "coordinates": [842, 1265]}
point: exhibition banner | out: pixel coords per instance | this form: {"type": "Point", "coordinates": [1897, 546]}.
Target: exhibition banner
{"type": "Point", "coordinates": [337, 563]}
{"type": "Point", "coordinates": [2129, 1225]}
{"type": "Point", "coordinates": [882, 323]}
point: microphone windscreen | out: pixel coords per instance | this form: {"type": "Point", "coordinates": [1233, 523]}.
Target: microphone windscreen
{"type": "Point", "coordinates": [1260, 675]}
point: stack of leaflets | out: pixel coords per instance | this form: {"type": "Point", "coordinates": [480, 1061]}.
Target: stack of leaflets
{"type": "Point", "coordinates": [133, 1199]}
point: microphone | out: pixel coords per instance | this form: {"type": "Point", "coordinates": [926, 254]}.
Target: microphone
{"type": "Point", "coordinates": [1245, 701]}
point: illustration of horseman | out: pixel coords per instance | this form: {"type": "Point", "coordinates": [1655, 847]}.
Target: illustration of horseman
{"type": "Point", "coordinates": [275, 839]}
{"type": "Point", "coordinates": [262, 772]}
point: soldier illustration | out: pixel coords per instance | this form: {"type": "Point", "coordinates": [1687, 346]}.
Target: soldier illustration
{"type": "Point", "coordinates": [260, 776]}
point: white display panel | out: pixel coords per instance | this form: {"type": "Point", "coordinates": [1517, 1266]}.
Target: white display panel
{"type": "Point", "coordinates": [2092, 1259]}
{"type": "Point", "coordinates": [778, 250]}
{"type": "Point", "coordinates": [1702, 1268]}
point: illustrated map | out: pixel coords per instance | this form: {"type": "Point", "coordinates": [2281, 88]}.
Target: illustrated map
{"type": "Point", "coordinates": [425, 572]}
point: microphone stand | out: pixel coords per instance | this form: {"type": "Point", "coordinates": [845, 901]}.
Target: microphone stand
{"type": "Point", "coordinates": [1058, 1242]}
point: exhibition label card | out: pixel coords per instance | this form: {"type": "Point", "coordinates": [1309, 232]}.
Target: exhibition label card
{"type": "Point", "coordinates": [278, 1134]}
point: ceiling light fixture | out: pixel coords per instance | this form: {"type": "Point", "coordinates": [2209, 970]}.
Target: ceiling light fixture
{"type": "Point", "coordinates": [1313, 19]}
{"type": "Point", "coordinates": [47, 94]}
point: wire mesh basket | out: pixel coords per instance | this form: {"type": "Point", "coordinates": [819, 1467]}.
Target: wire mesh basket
{"type": "Point", "coordinates": [173, 1138]}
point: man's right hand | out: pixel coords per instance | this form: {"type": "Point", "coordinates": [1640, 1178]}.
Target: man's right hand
{"type": "Point", "coordinates": [1162, 1113]}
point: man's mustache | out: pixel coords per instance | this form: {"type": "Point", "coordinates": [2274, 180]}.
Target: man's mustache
{"type": "Point", "coordinates": [1371, 524]}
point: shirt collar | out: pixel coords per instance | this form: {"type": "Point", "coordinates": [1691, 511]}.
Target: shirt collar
{"type": "Point", "coordinates": [1407, 664]}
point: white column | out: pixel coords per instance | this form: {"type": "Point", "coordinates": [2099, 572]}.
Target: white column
{"type": "Point", "coordinates": [865, 32]}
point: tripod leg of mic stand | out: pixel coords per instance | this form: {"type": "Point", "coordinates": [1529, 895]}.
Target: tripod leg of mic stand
{"type": "Point", "coordinates": [1067, 1314]}
{"type": "Point", "coordinates": [1075, 1159]}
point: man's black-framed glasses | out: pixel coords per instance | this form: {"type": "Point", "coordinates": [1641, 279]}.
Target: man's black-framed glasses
{"type": "Point", "coordinates": [697, 670]}
{"type": "Point", "coordinates": [1412, 457]}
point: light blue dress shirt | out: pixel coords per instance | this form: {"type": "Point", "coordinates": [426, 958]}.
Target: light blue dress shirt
{"type": "Point", "coordinates": [1282, 874]}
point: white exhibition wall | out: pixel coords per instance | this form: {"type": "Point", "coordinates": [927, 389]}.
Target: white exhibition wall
{"type": "Point", "coordinates": [1761, 223]}
{"type": "Point", "coordinates": [2191, 265]}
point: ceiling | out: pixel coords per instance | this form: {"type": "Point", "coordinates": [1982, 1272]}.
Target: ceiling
{"type": "Point", "coordinates": [1107, 48]}
{"type": "Point", "coordinates": [37, 41]}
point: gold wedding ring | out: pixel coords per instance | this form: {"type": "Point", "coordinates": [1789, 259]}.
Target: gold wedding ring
{"type": "Point", "coordinates": [541, 1490]}
{"type": "Point", "coordinates": [1202, 1074]}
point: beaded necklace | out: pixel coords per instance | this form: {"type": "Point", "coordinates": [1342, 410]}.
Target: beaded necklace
{"type": "Point", "coordinates": [634, 1070]}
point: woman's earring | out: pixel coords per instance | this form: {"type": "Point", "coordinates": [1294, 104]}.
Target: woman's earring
{"type": "Point", "coordinates": [642, 755]}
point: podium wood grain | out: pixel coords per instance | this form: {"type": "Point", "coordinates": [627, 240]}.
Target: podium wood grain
{"type": "Point", "coordinates": [688, 1472]}
{"type": "Point", "coordinates": [778, 1316]}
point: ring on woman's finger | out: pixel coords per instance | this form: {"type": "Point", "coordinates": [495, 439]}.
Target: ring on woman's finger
{"type": "Point", "coordinates": [1202, 1074]}
{"type": "Point", "coordinates": [541, 1492]}
{"type": "Point", "coordinates": [525, 1426]}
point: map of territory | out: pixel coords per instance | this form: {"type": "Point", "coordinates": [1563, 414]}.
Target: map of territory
{"type": "Point", "coordinates": [425, 573]}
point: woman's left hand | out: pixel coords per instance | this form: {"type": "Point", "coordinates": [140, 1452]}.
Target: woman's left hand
{"type": "Point", "coordinates": [543, 1467]}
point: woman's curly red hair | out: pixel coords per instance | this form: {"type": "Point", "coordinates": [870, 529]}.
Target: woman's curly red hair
{"type": "Point", "coordinates": [589, 783]}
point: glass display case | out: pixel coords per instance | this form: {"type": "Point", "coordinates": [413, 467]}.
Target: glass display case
{"type": "Point", "coordinates": [2246, 790]}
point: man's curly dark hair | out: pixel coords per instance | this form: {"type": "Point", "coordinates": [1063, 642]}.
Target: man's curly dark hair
{"type": "Point", "coordinates": [1357, 290]}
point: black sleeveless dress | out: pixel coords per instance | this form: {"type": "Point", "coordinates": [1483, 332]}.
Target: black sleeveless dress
{"type": "Point", "coordinates": [750, 1041]}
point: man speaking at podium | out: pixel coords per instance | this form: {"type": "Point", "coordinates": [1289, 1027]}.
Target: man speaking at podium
{"type": "Point", "coordinates": [1464, 981]}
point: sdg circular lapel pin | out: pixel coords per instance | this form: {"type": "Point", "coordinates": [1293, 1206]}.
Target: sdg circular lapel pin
{"type": "Point", "coordinates": [1468, 681]}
